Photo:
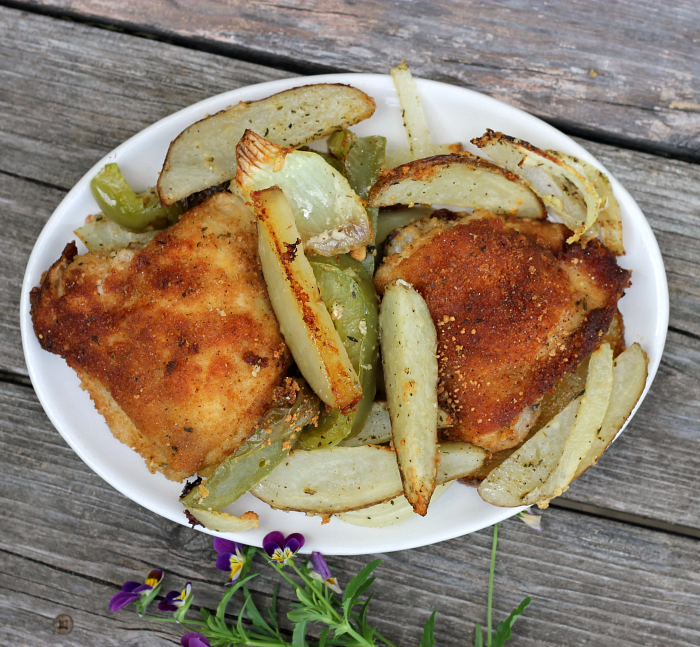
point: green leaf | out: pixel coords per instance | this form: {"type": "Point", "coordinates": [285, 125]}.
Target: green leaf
{"type": "Point", "coordinates": [221, 609]}
{"type": "Point", "coordinates": [248, 552]}
{"type": "Point", "coordinates": [365, 629]}
{"type": "Point", "coordinates": [254, 615]}
{"type": "Point", "coordinates": [304, 598]}
{"type": "Point", "coordinates": [356, 582]}
{"type": "Point", "coordinates": [142, 603]}
{"type": "Point", "coordinates": [322, 638]}
{"type": "Point", "coordinates": [239, 623]}
{"type": "Point", "coordinates": [299, 635]}
{"type": "Point", "coordinates": [364, 587]}
{"type": "Point", "coordinates": [478, 636]}
{"type": "Point", "coordinates": [503, 630]}
{"type": "Point", "coordinates": [303, 614]}
{"type": "Point", "coordinates": [213, 623]}
{"type": "Point", "coordinates": [272, 611]}
{"type": "Point", "coordinates": [428, 639]}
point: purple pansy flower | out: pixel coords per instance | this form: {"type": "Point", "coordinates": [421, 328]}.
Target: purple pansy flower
{"type": "Point", "coordinates": [320, 571]}
{"type": "Point", "coordinates": [194, 639]}
{"type": "Point", "coordinates": [175, 599]}
{"type": "Point", "coordinates": [230, 557]}
{"type": "Point", "coordinates": [133, 591]}
{"type": "Point", "coordinates": [280, 548]}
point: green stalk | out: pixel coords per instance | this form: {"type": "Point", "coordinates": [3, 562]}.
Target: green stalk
{"type": "Point", "coordinates": [493, 568]}
{"type": "Point", "coordinates": [327, 604]}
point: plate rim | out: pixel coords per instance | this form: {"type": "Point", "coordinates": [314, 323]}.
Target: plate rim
{"type": "Point", "coordinates": [265, 89]}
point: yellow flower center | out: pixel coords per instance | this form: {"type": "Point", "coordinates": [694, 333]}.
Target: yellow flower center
{"type": "Point", "coordinates": [236, 565]}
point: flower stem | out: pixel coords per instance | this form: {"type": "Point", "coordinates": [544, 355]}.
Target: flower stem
{"type": "Point", "coordinates": [346, 626]}
{"type": "Point", "coordinates": [493, 568]}
{"type": "Point", "coordinates": [386, 641]}
{"type": "Point", "coordinates": [320, 598]}
{"type": "Point", "coordinates": [160, 619]}
{"type": "Point", "coordinates": [282, 574]}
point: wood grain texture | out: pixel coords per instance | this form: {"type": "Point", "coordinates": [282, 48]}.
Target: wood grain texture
{"type": "Point", "coordinates": [26, 206]}
{"type": "Point", "coordinates": [68, 541]}
{"type": "Point", "coordinates": [627, 71]}
{"type": "Point", "coordinates": [71, 93]}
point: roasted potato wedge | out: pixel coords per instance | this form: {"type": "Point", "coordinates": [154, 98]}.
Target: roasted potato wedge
{"type": "Point", "coordinates": [589, 418]}
{"type": "Point", "coordinates": [461, 180]}
{"type": "Point", "coordinates": [570, 195]}
{"type": "Point", "coordinates": [420, 143]}
{"type": "Point", "coordinates": [204, 154]}
{"type": "Point", "coordinates": [529, 466]}
{"type": "Point", "coordinates": [303, 318]}
{"type": "Point", "coordinates": [522, 478]}
{"type": "Point", "coordinates": [326, 481]}
{"type": "Point", "coordinates": [629, 379]}
{"type": "Point", "coordinates": [609, 218]}
{"type": "Point", "coordinates": [399, 156]}
{"type": "Point", "coordinates": [458, 460]}
{"type": "Point", "coordinates": [389, 512]}
{"type": "Point", "coordinates": [224, 522]}
{"type": "Point", "coordinates": [409, 346]}
{"type": "Point", "coordinates": [417, 133]}
{"type": "Point", "coordinates": [329, 481]}
{"type": "Point", "coordinates": [377, 428]}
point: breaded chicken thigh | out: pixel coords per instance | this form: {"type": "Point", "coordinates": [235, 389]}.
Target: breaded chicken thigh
{"type": "Point", "coordinates": [515, 308]}
{"type": "Point", "coordinates": [176, 342]}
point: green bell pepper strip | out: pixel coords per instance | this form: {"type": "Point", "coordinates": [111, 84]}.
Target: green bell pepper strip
{"type": "Point", "coordinates": [349, 295]}
{"type": "Point", "coordinates": [269, 444]}
{"type": "Point", "coordinates": [362, 160]}
{"type": "Point", "coordinates": [129, 210]}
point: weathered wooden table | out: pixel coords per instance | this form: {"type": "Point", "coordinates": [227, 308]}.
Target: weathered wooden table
{"type": "Point", "coordinates": [617, 562]}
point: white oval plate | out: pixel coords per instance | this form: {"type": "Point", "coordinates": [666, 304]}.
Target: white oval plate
{"type": "Point", "coordinates": [454, 114]}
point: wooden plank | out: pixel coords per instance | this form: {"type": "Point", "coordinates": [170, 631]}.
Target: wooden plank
{"type": "Point", "coordinates": [68, 541]}
{"type": "Point", "coordinates": [627, 71]}
{"type": "Point", "coordinates": [26, 206]}
{"type": "Point", "coordinates": [71, 93]}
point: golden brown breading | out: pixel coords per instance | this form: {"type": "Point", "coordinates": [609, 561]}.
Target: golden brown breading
{"type": "Point", "coordinates": [515, 308]}
{"type": "Point", "coordinates": [176, 342]}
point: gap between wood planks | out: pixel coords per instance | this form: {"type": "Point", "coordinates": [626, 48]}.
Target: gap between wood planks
{"type": "Point", "coordinates": [685, 333]}
{"type": "Point", "coordinates": [566, 504]}
{"type": "Point", "coordinates": [36, 181]}
{"type": "Point", "coordinates": [290, 64]}
{"type": "Point", "coordinates": [625, 517]}
{"type": "Point", "coordinates": [287, 64]}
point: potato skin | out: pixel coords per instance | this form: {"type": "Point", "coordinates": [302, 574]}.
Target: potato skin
{"type": "Point", "coordinates": [204, 154]}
